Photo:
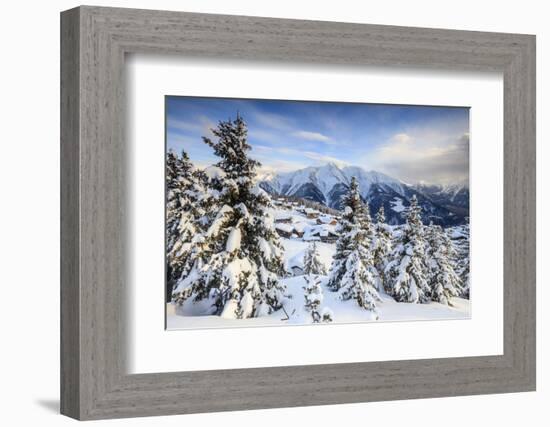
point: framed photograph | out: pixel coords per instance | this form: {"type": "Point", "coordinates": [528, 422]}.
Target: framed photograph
{"type": "Point", "coordinates": [304, 212]}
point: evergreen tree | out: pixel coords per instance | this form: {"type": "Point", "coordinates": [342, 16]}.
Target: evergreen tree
{"type": "Point", "coordinates": [351, 272]}
{"type": "Point", "coordinates": [313, 295]}
{"type": "Point", "coordinates": [185, 193]}
{"type": "Point", "coordinates": [236, 262]}
{"type": "Point", "coordinates": [462, 258]}
{"type": "Point", "coordinates": [406, 272]}
{"type": "Point", "coordinates": [381, 247]}
{"type": "Point", "coordinates": [312, 261]}
{"type": "Point", "coordinates": [173, 203]}
{"type": "Point", "coordinates": [444, 282]}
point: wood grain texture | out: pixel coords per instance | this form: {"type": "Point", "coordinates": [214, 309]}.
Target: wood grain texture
{"type": "Point", "coordinates": [95, 383]}
{"type": "Point", "coordinates": [70, 292]}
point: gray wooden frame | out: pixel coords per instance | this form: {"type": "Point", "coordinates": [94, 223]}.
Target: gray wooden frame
{"type": "Point", "coordinates": [94, 41]}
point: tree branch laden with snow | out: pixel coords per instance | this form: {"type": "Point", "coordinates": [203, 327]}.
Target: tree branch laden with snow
{"type": "Point", "coordinates": [407, 269]}
{"type": "Point", "coordinates": [352, 268]}
{"type": "Point", "coordinates": [236, 263]}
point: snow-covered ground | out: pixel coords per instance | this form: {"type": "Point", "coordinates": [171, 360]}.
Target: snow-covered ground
{"type": "Point", "coordinates": [190, 315]}
{"type": "Point", "coordinates": [397, 205]}
{"type": "Point", "coordinates": [344, 311]}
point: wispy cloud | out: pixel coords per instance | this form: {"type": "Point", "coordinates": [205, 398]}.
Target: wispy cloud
{"type": "Point", "coordinates": [183, 125]}
{"type": "Point", "coordinates": [273, 121]}
{"type": "Point", "coordinates": [322, 158]}
{"type": "Point", "coordinates": [278, 159]}
{"type": "Point", "coordinates": [401, 138]}
{"type": "Point", "coordinates": [201, 125]}
{"type": "Point", "coordinates": [262, 135]}
{"type": "Point", "coordinates": [291, 154]}
{"type": "Point", "coordinates": [312, 136]}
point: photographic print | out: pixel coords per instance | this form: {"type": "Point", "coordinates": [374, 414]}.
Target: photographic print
{"type": "Point", "coordinates": [284, 212]}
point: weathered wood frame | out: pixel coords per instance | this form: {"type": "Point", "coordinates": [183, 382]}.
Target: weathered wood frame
{"type": "Point", "coordinates": [94, 41]}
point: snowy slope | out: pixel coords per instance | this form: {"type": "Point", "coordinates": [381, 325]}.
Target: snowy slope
{"type": "Point", "coordinates": [191, 315]}
{"type": "Point", "coordinates": [187, 316]}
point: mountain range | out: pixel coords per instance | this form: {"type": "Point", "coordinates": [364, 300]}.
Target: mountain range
{"type": "Point", "coordinates": [444, 205]}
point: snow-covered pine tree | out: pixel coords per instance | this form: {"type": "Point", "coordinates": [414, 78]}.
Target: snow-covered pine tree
{"type": "Point", "coordinates": [365, 219]}
{"type": "Point", "coordinates": [464, 275]}
{"type": "Point", "coordinates": [312, 261]}
{"type": "Point", "coordinates": [406, 272]}
{"type": "Point", "coordinates": [351, 270]}
{"type": "Point", "coordinates": [237, 261]}
{"type": "Point", "coordinates": [444, 282]}
{"type": "Point", "coordinates": [313, 296]}
{"type": "Point", "coordinates": [381, 247]}
{"type": "Point", "coordinates": [462, 258]}
{"type": "Point", "coordinates": [185, 190]}
{"type": "Point", "coordinates": [173, 204]}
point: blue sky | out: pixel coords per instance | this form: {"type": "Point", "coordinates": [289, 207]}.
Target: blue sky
{"type": "Point", "coordinates": [411, 143]}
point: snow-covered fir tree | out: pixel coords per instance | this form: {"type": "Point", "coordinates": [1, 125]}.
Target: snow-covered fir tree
{"type": "Point", "coordinates": [173, 197]}
{"type": "Point", "coordinates": [351, 272]}
{"type": "Point", "coordinates": [464, 274]}
{"type": "Point", "coordinates": [444, 282]}
{"type": "Point", "coordinates": [184, 211]}
{"type": "Point", "coordinates": [381, 247]}
{"type": "Point", "coordinates": [237, 261]}
{"type": "Point", "coordinates": [406, 271]}
{"type": "Point", "coordinates": [313, 296]}
{"type": "Point", "coordinates": [461, 242]}
{"type": "Point", "coordinates": [312, 261]}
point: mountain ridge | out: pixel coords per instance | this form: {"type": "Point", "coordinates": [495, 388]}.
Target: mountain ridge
{"type": "Point", "coordinates": [326, 184]}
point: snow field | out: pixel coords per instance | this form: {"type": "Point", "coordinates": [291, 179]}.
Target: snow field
{"type": "Point", "coordinates": [190, 315]}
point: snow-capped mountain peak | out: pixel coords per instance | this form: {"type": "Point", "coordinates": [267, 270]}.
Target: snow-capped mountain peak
{"type": "Point", "coordinates": [327, 176]}
{"type": "Point", "coordinates": [327, 184]}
